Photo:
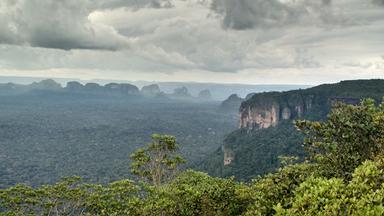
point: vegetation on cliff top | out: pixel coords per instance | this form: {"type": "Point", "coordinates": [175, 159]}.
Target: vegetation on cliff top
{"type": "Point", "coordinates": [256, 151]}
{"type": "Point", "coordinates": [319, 98]}
{"type": "Point", "coordinates": [316, 186]}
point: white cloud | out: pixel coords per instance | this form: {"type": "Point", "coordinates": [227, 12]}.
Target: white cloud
{"type": "Point", "coordinates": [289, 41]}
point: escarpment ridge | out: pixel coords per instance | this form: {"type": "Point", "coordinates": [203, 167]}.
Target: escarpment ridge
{"type": "Point", "coordinates": [264, 110]}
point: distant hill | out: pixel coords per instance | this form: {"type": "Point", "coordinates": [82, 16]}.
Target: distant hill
{"type": "Point", "coordinates": [151, 90]}
{"type": "Point", "coordinates": [232, 103]}
{"type": "Point", "coordinates": [205, 95]}
{"type": "Point", "coordinates": [222, 91]}
{"type": "Point", "coordinates": [218, 91]}
{"type": "Point", "coordinates": [50, 86]}
{"type": "Point", "coordinates": [266, 129]}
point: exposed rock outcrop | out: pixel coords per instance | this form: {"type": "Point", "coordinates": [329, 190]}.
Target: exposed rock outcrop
{"type": "Point", "coordinates": [255, 117]}
{"type": "Point", "coordinates": [266, 110]}
{"type": "Point", "coordinates": [229, 156]}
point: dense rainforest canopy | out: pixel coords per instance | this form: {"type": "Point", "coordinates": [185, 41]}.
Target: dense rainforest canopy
{"type": "Point", "coordinates": [342, 175]}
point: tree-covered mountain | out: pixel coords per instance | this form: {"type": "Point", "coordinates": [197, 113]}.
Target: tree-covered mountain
{"type": "Point", "coordinates": [219, 91]}
{"type": "Point", "coordinates": [266, 130]}
{"type": "Point", "coordinates": [232, 103]}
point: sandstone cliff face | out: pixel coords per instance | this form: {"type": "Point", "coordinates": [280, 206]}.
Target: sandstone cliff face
{"type": "Point", "coordinates": [229, 156]}
{"type": "Point", "coordinates": [254, 117]}
{"type": "Point", "coordinates": [268, 109]}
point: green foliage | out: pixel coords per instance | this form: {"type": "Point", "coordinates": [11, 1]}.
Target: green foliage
{"type": "Point", "coordinates": [118, 198]}
{"type": "Point", "coordinates": [72, 197]}
{"type": "Point", "coordinates": [352, 133]}
{"type": "Point", "coordinates": [191, 193]}
{"type": "Point", "coordinates": [64, 198]}
{"type": "Point", "coordinates": [196, 193]}
{"type": "Point", "coordinates": [256, 152]}
{"type": "Point", "coordinates": [363, 195]}
{"type": "Point", "coordinates": [288, 160]}
{"type": "Point", "coordinates": [350, 136]}
{"type": "Point", "coordinates": [158, 162]}
{"type": "Point", "coordinates": [293, 190]}
{"type": "Point", "coordinates": [277, 188]}
{"type": "Point", "coordinates": [199, 194]}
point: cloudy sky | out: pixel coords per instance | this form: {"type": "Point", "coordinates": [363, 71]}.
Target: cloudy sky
{"type": "Point", "coordinates": [231, 41]}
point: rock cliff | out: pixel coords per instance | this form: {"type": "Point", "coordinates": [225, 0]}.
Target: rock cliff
{"type": "Point", "coordinates": [229, 156]}
{"type": "Point", "coordinates": [264, 110]}
{"type": "Point", "coordinates": [268, 109]}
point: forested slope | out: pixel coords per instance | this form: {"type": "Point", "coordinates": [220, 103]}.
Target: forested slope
{"type": "Point", "coordinates": [266, 130]}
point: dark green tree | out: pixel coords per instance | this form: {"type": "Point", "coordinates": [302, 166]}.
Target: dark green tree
{"type": "Point", "coordinates": [351, 135]}
{"type": "Point", "coordinates": [272, 189]}
{"type": "Point", "coordinates": [195, 193]}
{"type": "Point", "coordinates": [363, 195]}
{"type": "Point", "coordinates": [159, 161]}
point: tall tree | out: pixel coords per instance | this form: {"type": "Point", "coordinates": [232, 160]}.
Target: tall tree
{"type": "Point", "coordinates": [158, 161]}
{"type": "Point", "coordinates": [351, 135]}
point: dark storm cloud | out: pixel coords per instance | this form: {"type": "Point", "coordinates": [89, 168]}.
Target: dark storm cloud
{"type": "Point", "coordinates": [271, 40]}
{"type": "Point", "coordinates": [378, 2]}
{"type": "Point", "coordinates": [246, 14]}
{"type": "Point", "coordinates": [64, 24]}
{"type": "Point", "coordinates": [110, 4]}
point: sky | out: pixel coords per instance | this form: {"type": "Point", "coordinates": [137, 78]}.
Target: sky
{"type": "Point", "coordinates": [222, 41]}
